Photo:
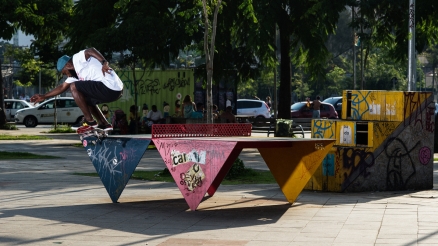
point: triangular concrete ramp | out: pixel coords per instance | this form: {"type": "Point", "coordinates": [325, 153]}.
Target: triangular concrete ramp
{"type": "Point", "coordinates": [195, 164]}
{"type": "Point", "coordinates": [115, 159]}
{"type": "Point", "coordinates": [292, 167]}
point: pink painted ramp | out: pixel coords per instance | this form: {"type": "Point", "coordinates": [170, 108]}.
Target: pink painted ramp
{"type": "Point", "coordinates": [194, 164]}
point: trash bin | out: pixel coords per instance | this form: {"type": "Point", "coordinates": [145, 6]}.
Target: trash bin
{"type": "Point", "coordinates": [283, 128]}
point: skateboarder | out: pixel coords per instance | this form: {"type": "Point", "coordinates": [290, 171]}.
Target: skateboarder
{"type": "Point", "coordinates": [91, 81]}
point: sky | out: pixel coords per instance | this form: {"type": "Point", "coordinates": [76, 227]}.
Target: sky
{"type": "Point", "coordinates": [23, 40]}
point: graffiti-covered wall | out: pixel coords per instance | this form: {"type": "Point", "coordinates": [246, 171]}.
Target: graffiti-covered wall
{"type": "Point", "coordinates": [384, 142]}
{"type": "Point", "coordinates": [158, 86]}
{"type": "Point", "coordinates": [154, 87]}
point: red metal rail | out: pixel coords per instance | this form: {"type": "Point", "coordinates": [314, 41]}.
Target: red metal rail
{"type": "Point", "coordinates": [201, 130]}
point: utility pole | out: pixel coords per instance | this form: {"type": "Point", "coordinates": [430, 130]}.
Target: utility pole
{"type": "Point", "coordinates": [411, 48]}
{"type": "Point", "coordinates": [2, 103]}
{"type": "Point", "coordinates": [274, 103]}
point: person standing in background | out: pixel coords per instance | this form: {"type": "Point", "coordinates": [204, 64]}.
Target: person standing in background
{"type": "Point", "coordinates": [316, 108]}
{"type": "Point", "coordinates": [268, 101]}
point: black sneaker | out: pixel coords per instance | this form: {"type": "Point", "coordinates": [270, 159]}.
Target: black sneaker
{"type": "Point", "coordinates": [106, 127]}
{"type": "Point", "coordinates": [84, 122]}
{"type": "Point", "coordinates": [77, 125]}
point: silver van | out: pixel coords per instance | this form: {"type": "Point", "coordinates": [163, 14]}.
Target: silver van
{"type": "Point", "coordinates": [255, 108]}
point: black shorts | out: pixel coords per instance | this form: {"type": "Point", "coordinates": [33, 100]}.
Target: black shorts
{"type": "Point", "coordinates": [96, 92]}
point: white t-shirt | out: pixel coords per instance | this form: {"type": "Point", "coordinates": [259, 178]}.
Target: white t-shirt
{"type": "Point", "coordinates": [91, 69]}
{"type": "Point", "coordinates": [154, 115]}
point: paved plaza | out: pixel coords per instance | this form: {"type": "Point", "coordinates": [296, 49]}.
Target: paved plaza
{"type": "Point", "coordinates": [42, 202]}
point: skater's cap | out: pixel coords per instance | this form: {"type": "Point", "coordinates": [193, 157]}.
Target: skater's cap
{"type": "Point", "coordinates": [61, 62]}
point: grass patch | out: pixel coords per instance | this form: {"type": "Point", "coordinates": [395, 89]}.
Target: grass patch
{"type": "Point", "coordinates": [23, 137]}
{"type": "Point", "coordinates": [8, 126]}
{"type": "Point", "coordinates": [4, 155]}
{"type": "Point", "coordinates": [61, 129]}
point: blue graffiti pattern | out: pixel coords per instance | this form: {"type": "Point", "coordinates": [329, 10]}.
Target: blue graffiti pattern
{"type": "Point", "coordinates": [357, 100]}
{"type": "Point", "coordinates": [323, 128]}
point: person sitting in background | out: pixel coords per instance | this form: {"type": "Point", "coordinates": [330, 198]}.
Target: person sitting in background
{"type": "Point", "coordinates": [188, 107]}
{"type": "Point", "coordinates": [166, 109]}
{"type": "Point", "coordinates": [200, 107]}
{"type": "Point", "coordinates": [177, 108]}
{"type": "Point", "coordinates": [228, 116]}
{"type": "Point", "coordinates": [105, 112]}
{"type": "Point", "coordinates": [215, 112]}
{"type": "Point", "coordinates": [199, 113]}
{"type": "Point", "coordinates": [145, 111]}
{"type": "Point", "coordinates": [133, 119]}
{"type": "Point", "coordinates": [154, 116]}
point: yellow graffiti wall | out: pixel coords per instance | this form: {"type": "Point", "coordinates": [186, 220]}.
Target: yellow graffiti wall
{"type": "Point", "coordinates": [386, 144]}
{"type": "Point", "coordinates": [394, 106]}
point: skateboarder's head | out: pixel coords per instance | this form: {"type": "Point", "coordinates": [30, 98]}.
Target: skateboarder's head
{"type": "Point", "coordinates": [61, 62]}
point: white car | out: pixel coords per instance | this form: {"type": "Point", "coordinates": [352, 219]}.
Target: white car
{"type": "Point", "coordinates": [67, 111]}
{"type": "Point", "coordinates": [13, 105]}
{"type": "Point", "coordinates": [255, 108]}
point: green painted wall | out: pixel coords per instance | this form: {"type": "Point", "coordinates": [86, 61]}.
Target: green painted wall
{"type": "Point", "coordinates": [154, 87]}
{"type": "Point", "coordinates": [160, 86]}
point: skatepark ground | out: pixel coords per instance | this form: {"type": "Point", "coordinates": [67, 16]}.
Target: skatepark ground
{"type": "Point", "coordinates": [44, 203]}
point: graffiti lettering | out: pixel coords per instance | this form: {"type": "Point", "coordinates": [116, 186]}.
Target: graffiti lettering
{"type": "Point", "coordinates": [384, 129]}
{"type": "Point", "coordinates": [192, 156]}
{"type": "Point", "coordinates": [149, 86]}
{"type": "Point", "coordinates": [323, 128]}
{"type": "Point", "coordinates": [193, 177]}
{"type": "Point", "coordinates": [413, 110]}
{"type": "Point", "coordinates": [173, 83]}
{"type": "Point", "coordinates": [430, 124]}
{"type": "Point", "coordinates": [424, 155]}
{"type": "Point", "coordinates": [357, 160]}
{"type": "Point", "coordinates": [400, 167]}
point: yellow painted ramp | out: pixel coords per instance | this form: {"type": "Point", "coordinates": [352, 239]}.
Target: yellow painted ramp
{"type": "Point", "coordinates": [292, 167]}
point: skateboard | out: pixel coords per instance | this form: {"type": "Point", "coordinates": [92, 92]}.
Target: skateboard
{"type": "Point", "coordinates": [87, 131]}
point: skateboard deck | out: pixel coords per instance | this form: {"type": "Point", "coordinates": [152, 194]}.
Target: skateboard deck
{"type": "Point", "coordinates": [87, 131]}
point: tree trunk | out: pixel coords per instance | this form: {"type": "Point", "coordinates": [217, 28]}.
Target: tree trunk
{"type": "Point", "coordinates": [134, 77]}
{"type": "Point", "coordinates": [285, 78]}
{"type": "Point", "coordinates": [2, 101]}
{"type": "Point", "coordinates": [209, 55]}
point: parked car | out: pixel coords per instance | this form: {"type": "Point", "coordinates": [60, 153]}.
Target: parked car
{"type": "Point", "coordinates": [256, 108]}
{"type": "Point", "coordinates": [13, 105]}
{"type": "Point", "coordinates": [337, 104]}
{"type": "Point", "coordinates": [436, 108]}
{"type": "Point", "coordinates": [67, 112]}
{"type": "Point", "coordinates": [300, 110]}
